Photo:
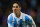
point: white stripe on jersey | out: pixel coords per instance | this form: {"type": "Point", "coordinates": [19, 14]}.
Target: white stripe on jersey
{"type": "Point", "coordinates": [21, 17]}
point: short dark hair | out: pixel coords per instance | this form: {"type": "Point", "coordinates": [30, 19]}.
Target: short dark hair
{"type": "Point", "coordinates": [17, 3]}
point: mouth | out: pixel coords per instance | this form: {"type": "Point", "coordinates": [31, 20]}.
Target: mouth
{"type": "Point", "coordinates": [15, 11]}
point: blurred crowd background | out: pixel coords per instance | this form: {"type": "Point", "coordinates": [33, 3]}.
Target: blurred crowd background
{"type": "Point", "coordinates": [30, 7]}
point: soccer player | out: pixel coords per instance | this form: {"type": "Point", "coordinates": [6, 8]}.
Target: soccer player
{"type": "Point", "coordinates": [19, 19]}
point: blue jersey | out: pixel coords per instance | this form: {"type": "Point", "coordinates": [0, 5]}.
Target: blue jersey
{"type": "Point", "coordinates": [23, 21]}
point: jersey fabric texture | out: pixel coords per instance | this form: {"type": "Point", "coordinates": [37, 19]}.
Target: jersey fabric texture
{"type": "Point", "coordinates": [23, 21]}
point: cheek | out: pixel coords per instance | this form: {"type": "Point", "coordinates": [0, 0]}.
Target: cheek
{"type": "Point", "coordinates": [18, 9]}
{"type": "Point", "coordinates": [13, 9]}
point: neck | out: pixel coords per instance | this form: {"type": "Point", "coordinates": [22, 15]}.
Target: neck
{"type": "Point", "coordinates": [17, 14]}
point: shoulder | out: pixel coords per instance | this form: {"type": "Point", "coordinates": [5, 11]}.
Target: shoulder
{"type": "Point", "coordinates": [10, 15]}
{"type": "Point", "coordinates": [27, 16]}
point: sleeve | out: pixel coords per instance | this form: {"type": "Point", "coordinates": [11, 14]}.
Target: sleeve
{"type": "Point", "coordinates": [32, 21]}
{"type": "Point", "coordinates": [10, 21]}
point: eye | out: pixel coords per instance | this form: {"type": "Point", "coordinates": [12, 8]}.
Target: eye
{"type": "Point", "coordinates": [16, 6]}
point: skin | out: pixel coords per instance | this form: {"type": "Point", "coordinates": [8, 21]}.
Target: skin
{"type": "Point", "coordinates": [16, 9]}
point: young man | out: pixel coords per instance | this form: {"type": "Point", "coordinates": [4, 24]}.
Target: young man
{"type": "Point", "coordinates": [19, 19]}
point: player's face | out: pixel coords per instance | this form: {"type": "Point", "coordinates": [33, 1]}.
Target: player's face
{"type": "Point", "coordinates": [16, 8]}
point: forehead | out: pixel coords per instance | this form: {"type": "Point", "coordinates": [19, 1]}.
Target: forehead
{"type": "Point", "coordinates": [15, 4]}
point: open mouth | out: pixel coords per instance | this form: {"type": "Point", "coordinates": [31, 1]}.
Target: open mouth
{"type": "Point", "coordinates": [15, 12]}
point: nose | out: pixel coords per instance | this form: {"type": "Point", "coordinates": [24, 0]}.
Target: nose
{"type": "Point", "coordinates": [15, 10]}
